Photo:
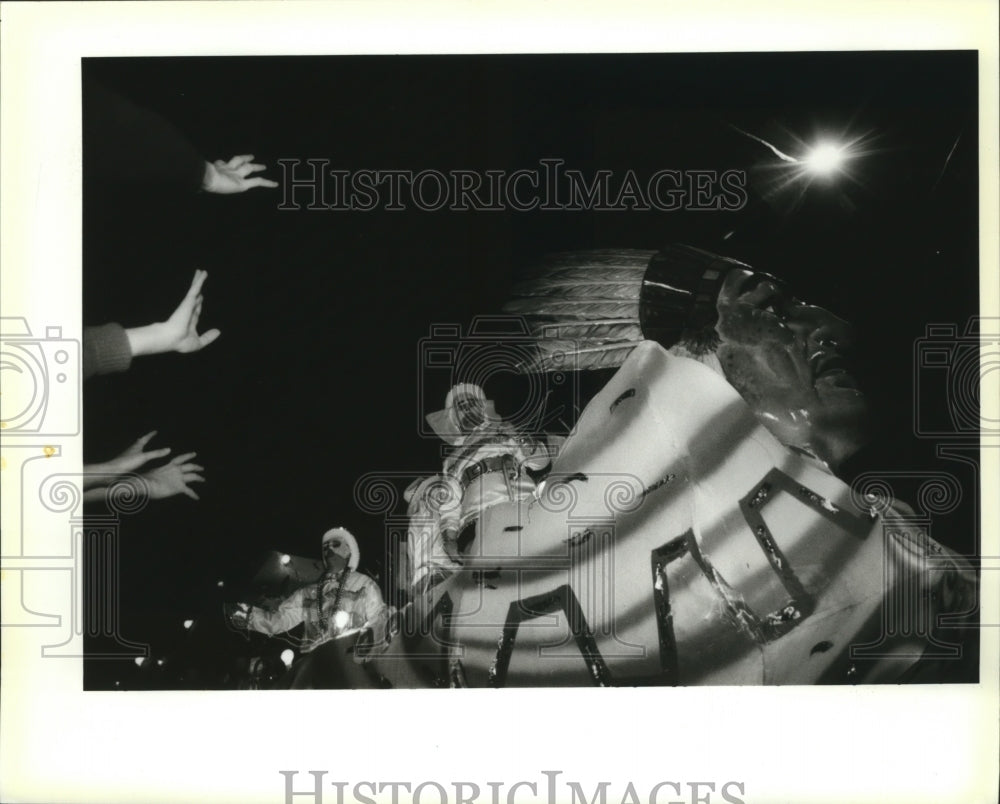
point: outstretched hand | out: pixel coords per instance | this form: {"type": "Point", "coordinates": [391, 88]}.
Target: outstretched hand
{"type": "Point", "coordinates": [233, 176]}
{"type": "Point", "coordinates": [134, 457]}
{"type": "Point", "coordinates": [130, 460]}
{"type": "Point", "coordinates": [179, 333]}
{"type": "Point", "coordinates": [181, 329]}
{"type": "Point", "coordinates": [173, 478]}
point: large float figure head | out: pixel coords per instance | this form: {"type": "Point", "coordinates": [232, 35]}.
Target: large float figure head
{"type": "Point", "coordinates": [788, 359]}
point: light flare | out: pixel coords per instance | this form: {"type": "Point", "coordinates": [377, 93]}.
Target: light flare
{"type": "Point", "coordinates": [825, 158]}
{"type": "Point", "coordinates": [830, 156]}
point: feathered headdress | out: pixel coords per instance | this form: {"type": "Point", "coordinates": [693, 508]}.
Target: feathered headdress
{"type": "Point", "coordinates": [589, 309]}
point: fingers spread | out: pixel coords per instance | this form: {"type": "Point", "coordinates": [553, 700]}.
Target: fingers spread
{"type": "Point", "coordinates": [237, 161]}
{"type": "Point", "coordinates": [187, 456]}
{"type": "Point", "coordinates": [191, 477]}
{"type": "Point", "coordinates": [190, 493]}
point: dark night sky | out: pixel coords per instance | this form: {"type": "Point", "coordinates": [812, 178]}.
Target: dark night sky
{"type": "Point", "coordinates": [314, 381]}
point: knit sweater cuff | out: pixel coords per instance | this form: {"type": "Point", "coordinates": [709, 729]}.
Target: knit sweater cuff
{"type": "Point", "coordinates": [105, 350]}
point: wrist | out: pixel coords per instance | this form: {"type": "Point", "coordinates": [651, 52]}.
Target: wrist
{"type": "Point", "coordinates": [208, 178]}
{"type": "Point", "coordinates": [147, 340]}
{"type": "Point", "coordinates": [94, 474]}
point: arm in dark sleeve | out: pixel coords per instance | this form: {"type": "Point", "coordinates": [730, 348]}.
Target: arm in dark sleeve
{"type": "Point", "coordinates": [125, 143]}
{"type": "Point", "coordinates": [105, 350]}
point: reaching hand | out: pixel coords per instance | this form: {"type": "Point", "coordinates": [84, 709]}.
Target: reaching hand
{"type": "Point", "coordinates": [173, 478]}
{"type": "Point", "coordinates": [231, 177]}
{"type": "Point", "coordinates": [134, 457]}
{"type": "Point", "coordinates": [179, 333]}
{"type": "Point", "coordinates": [130, 460]}
{"type": "Point", "coordinates": [181, 329]}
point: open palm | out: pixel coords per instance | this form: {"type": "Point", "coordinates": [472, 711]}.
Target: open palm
{"type": "Point", "coordinates": [173, 478]}
{"type": "Point", "coordinates": [180, 331]}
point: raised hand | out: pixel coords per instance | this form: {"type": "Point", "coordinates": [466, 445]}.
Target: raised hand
{"type": "Point", "coordinates": [173, 478]}
{"type": "Point", "coordinates": [179, 333]}
{"type": "Point", "coordinates": [226, 178]}
{"type": "Point", "coordinates": [132, 459]}
{"type": "Point", "coordinates": [182, 327]}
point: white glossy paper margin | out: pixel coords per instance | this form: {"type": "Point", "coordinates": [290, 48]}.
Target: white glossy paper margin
{"type": "Point", "coordinates": [57, 743]}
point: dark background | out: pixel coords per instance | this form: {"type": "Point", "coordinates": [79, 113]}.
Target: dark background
{"type": "Point", "coordinates": [314, 381]}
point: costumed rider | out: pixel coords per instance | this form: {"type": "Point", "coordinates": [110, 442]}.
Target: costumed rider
{"type": "Point", "coordinates": [343, 602]}
{"type": "Point", "coordinates": [434, 511]}
{"type": "Point", "coordinates": [491, 462]}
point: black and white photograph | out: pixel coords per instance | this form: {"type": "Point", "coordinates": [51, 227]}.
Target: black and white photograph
{"type": "Point", "coordinates": [532, 370]}
{"type": "Point", "coordinates": [503, 392]}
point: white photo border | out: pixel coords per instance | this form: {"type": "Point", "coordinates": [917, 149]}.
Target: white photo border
{"type": "Point", "coordinates": [59, 743]}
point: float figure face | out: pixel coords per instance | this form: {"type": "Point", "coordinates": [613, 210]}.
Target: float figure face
{"type": "Point", "coordinates": [336, 553]}
{"type": "Point", "coordinates": [469, 412]}
{"type": "Point", "coordinates": [790, 361]}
